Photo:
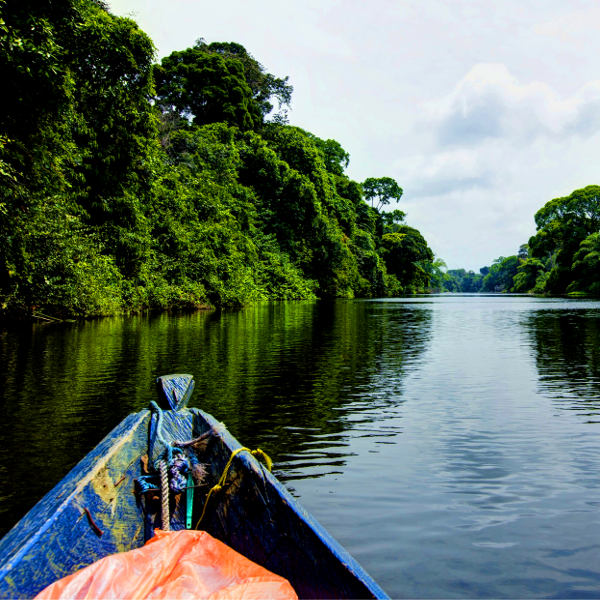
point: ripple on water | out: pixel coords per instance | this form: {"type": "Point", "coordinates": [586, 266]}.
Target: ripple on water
{"type": "Point", "coordinates": [450, 443]}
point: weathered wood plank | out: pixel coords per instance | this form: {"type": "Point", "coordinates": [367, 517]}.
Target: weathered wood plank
{"type": "Point", "coordinates": [56, 538]}
{"type": "Point", "coordinates": [174, 391]}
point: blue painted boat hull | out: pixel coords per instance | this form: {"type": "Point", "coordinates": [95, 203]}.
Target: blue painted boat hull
{"type": "Point", "coordinates": [94, 512]}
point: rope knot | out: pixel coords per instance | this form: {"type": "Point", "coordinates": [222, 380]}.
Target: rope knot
{"type": "Point", "coordinates": [262, 454]}
{"type": "Point", "coordinates": [179, 468]}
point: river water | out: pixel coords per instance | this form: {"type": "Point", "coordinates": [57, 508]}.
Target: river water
{"type": "Point", "coordinates": [450, 443]}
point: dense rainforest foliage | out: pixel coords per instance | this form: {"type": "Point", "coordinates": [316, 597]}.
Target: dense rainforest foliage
{"type": "Point", "coordinates": [130, 185]}
{"type": "Point", "coordinates": [563, 257]}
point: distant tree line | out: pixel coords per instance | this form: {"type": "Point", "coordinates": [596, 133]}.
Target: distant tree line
{"type": "Point", "coordinates": [128, 185]}
{"type": "Point", "coordinates": [563, 257]}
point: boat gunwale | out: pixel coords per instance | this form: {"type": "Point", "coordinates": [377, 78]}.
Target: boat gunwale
{"type": "Point", "coordinates": [97, 459]}
{"type": "Point", "coordinates": [52, 505]}
{"type": "Point", "coordinates": [339, 553]}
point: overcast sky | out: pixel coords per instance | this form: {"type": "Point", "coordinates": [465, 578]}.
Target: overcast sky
{"type": "Point", "coordinates": [482, 110]}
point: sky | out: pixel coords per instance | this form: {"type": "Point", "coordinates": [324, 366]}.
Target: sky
{"type": "Point", "coordinates": [482, 110]}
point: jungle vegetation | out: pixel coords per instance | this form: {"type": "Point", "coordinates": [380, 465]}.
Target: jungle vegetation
{"type": "Point", "coordinates": [562, 258]}
{"type": "Point", "coordinates": [129, 185]}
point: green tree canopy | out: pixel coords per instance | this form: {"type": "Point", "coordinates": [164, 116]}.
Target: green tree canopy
{"type": "Point", "coordinates": [206, 88]}
{"type": "Point", "coordinates": [461, 280]}
{"type": "Point", "coordinates": [404, 252]}
{"type": "Point", "coordinates": [78, 138]}
{"type": "Point", "coordinates": [265, 87]}
{"type": "Point", "coordinates": [527, 275]}
{"type": "Point", "coordinates": [438, 275]}
{"type": "Point", "coordinates": [501, 273]}
{"type": "Point", "coordinates": [127, 186]}
{"type": "Point", "coordinates": [381, 190]}
{"type": "Point", "coordinates": [335, 157]}
{"type": "Point", "coordinates": [586, 266]}
{"type": "Point", "coordinates": [218, 82]}
{"type": "Point", "coordinates": [392, 220]}
{"type": "Point", "coordinates": [563, 224]}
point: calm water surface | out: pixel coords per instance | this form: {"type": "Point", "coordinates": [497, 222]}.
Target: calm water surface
{"type": "Point", "coordinates": [451, 443]}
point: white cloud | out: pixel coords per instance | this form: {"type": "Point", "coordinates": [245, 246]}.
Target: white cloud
{"type": "Point", "coordinates": [489, 102]}
{"type": "Point", "coordinates": [496, 150]}
{"type": "Point", "coordinates": [573, 26]}
{"type": "Point", "coordinates": [439, 173]}
{"type": "Point", "coordinates": [491, 130]}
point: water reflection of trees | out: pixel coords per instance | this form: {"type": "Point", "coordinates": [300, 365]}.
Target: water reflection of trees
{"type": "Point", "coordinates": [298, 378]}
{"type": "Point", "coordinates": [567, 355]}
{"type": "Point", "coordinates": [294, 378]}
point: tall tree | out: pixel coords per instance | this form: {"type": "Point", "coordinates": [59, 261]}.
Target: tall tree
{"type": "Point", "coordinates": [219, 82]}
{"type": "Point", "coordinates": [392, 220]}
{"type": "Point", "coordinates": [381, 190]}
{"type": "Point", "coordinates": [335, 157]}
{"type": "Point", "coordinates": [266, 88]}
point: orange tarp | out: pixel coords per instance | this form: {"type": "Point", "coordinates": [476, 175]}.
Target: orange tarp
{"type": "Point", "coordinates": [175, 564]}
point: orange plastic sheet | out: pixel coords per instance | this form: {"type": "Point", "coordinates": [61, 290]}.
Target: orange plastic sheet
{"type": "Point", "coordinates": [174, 564]}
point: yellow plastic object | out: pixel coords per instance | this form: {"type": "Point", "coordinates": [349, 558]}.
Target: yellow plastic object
{"type": "Point", "coordinates": [173, 564]}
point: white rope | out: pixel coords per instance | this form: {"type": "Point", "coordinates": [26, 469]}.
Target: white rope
{"type": "Point", "coordinates": [164, 495]}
